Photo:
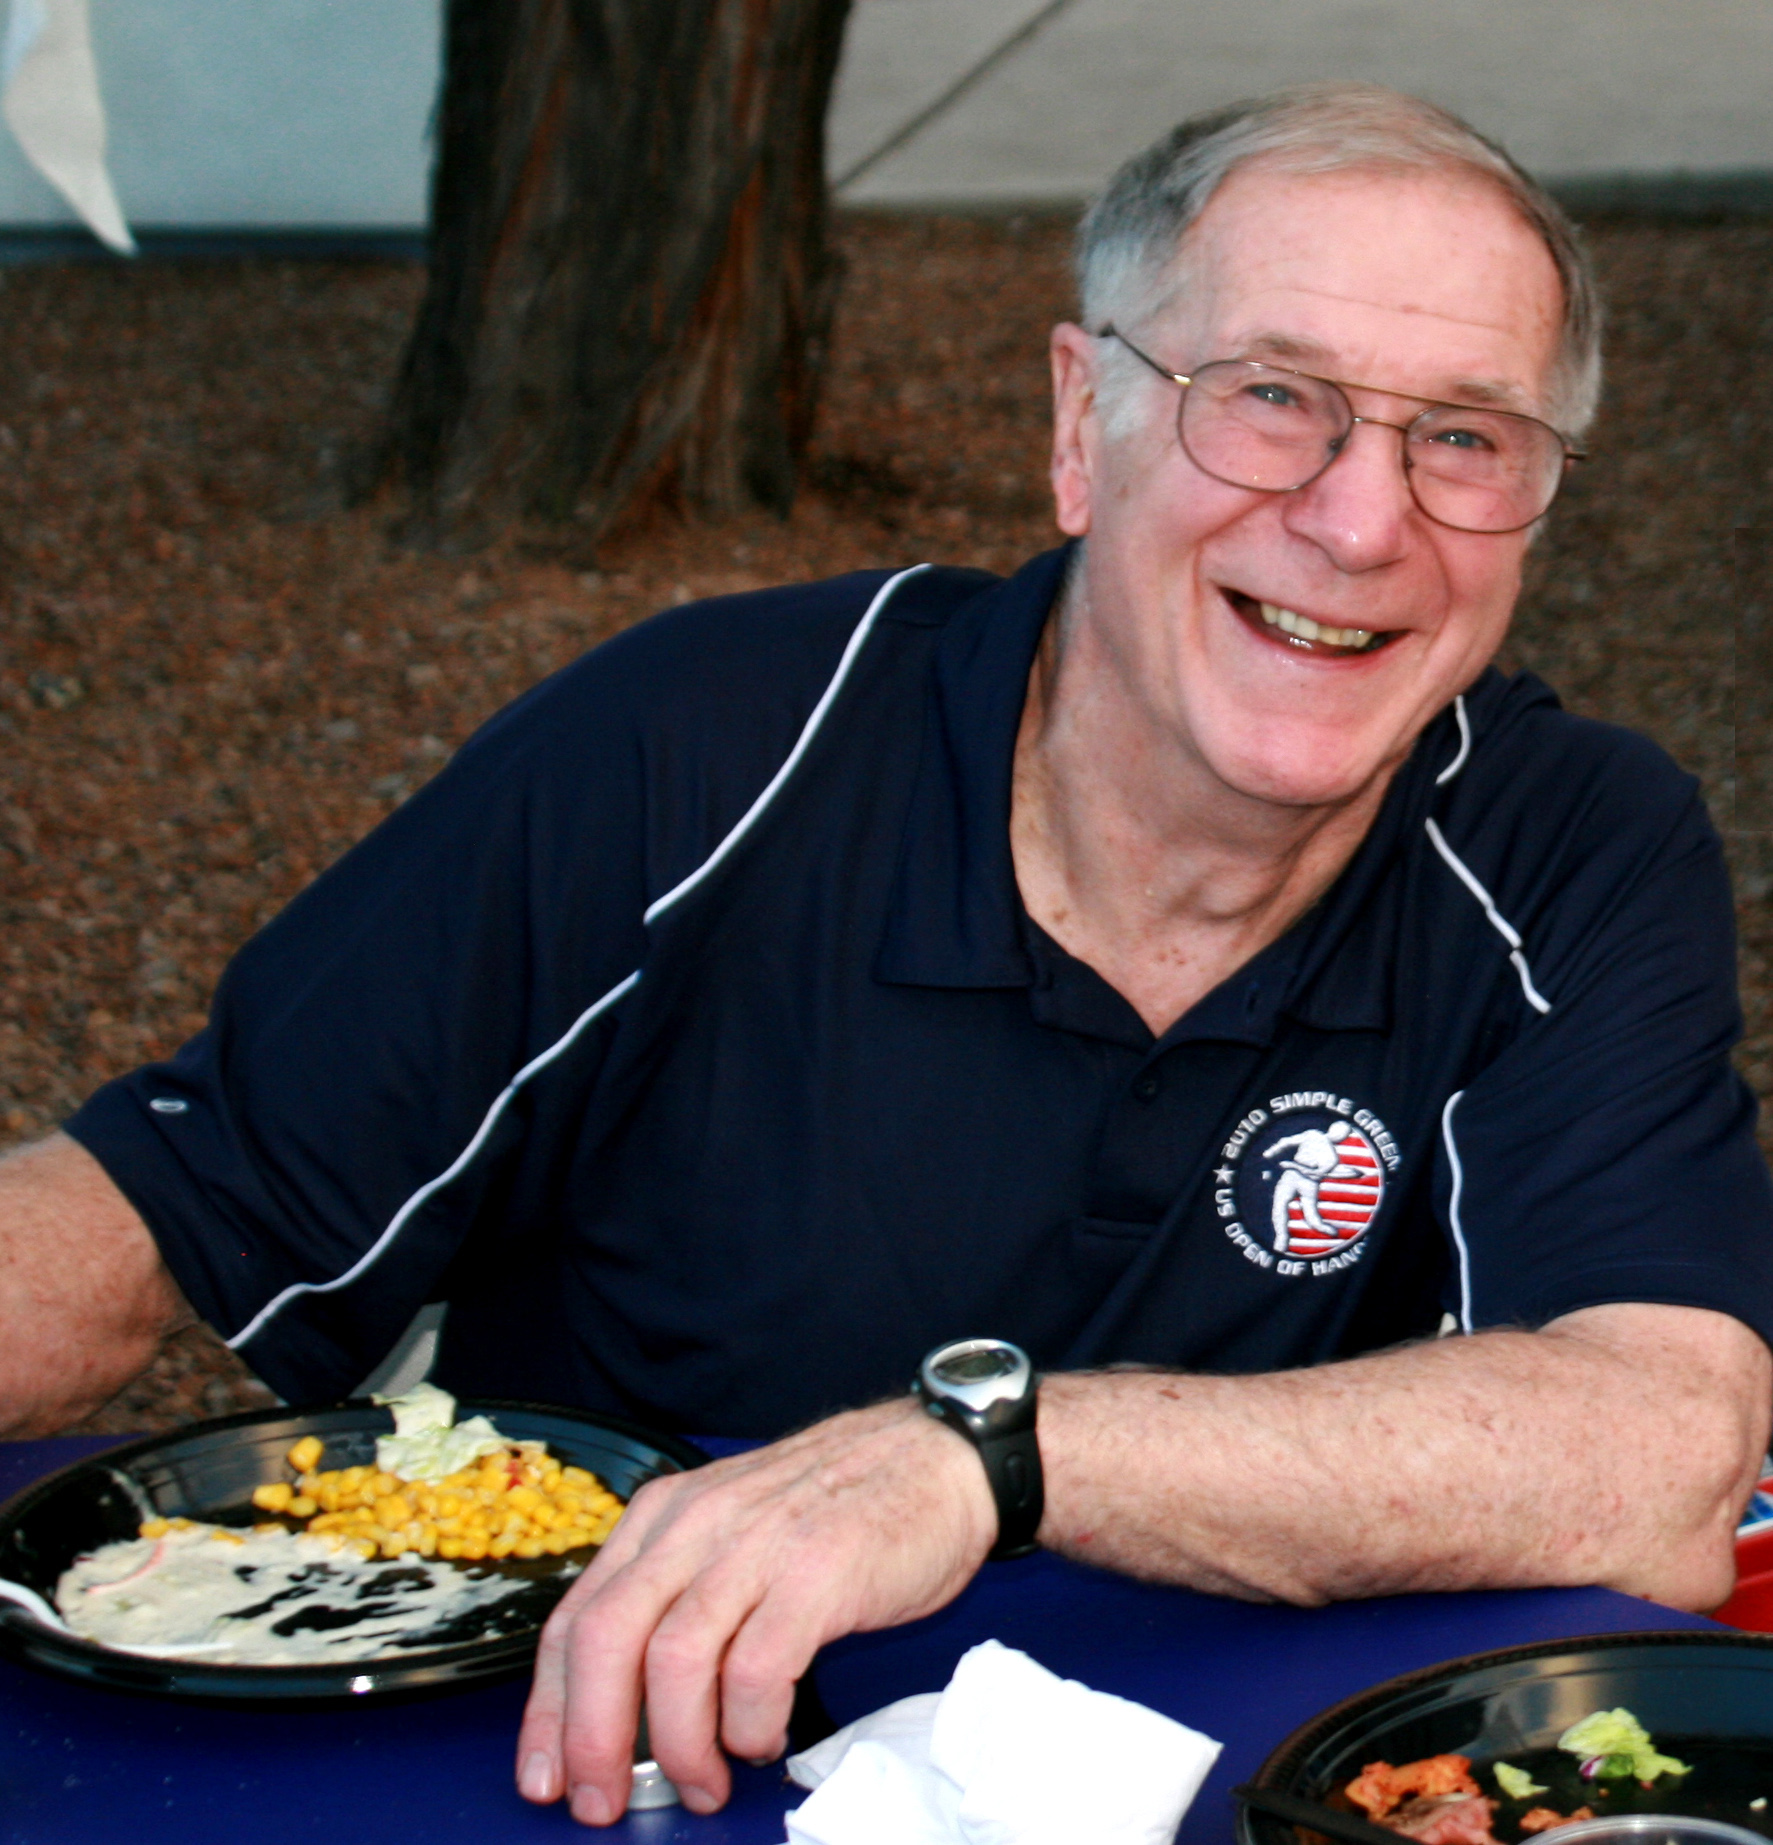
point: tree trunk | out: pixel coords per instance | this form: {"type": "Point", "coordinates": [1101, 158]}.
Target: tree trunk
{"type": "Point", "coordinates": [630, 284]}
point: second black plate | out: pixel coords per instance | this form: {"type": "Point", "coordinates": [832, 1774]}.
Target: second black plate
{"type": "Point", "coordinates": [1705, 1697]}
{"type": "Point", "coordinates": [209, 1472]}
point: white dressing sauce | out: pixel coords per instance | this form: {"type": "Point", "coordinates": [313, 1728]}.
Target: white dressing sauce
{"type": "Point", "coordinates": [272, 1598]}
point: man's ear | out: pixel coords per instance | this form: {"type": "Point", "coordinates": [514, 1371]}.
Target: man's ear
{"type": "Point", "coordinates": [1076, 427]}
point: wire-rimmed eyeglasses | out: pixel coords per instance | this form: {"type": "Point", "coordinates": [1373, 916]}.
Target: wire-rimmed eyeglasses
{"type": "Point", "coordinates": [1262, 426]}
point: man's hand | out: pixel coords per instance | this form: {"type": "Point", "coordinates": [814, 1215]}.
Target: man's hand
{"type": "Point", "coordinates": [718, 1587]}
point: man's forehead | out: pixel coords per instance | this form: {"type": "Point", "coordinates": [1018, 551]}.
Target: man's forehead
{"type": "Point", "coordinates": [1326, 270]}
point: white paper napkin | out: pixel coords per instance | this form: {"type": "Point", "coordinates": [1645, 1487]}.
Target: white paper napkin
{"type": "Point", "coordinates": [1009, 1754]}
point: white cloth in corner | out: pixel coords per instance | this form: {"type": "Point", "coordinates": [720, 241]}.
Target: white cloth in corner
{"type": "Point", "coordinates": [1009, 1754]}
{"type": "Point", "coordinates": [51, 102]}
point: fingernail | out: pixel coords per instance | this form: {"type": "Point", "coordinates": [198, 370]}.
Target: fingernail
{"type": "Point", "coordinates": [698, 1799]}
{"type": "Point", "coordinates": [536, 1779]}
{"type": "Point", "coordinates": [589, 1806]}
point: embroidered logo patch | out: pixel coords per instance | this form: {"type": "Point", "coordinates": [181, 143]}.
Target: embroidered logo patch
{"type": "Point", "coordinates": [1301, 1181]}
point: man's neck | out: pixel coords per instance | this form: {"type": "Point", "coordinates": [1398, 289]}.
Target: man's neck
{"type": "Point", "coordinates": [1133, 855]}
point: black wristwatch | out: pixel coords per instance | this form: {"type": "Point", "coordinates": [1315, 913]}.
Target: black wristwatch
{"type": "Point", "coordinates": [986, 1390]}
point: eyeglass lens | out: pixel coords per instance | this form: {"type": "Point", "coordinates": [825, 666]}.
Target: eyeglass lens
{"type": "Point", "coordinates": [1254, 425]}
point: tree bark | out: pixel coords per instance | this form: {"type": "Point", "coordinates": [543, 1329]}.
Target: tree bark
{"type": "Point", "coordinates": [631, 285]}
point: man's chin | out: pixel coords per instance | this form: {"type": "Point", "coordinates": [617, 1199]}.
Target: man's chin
{"type": "Point", "coordinates": [1305, 781]}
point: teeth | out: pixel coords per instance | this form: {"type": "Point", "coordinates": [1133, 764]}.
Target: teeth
{"type": "Point", "coordinates": [1308, 630]}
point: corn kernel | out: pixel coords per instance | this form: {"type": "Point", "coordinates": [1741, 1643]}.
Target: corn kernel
{"type": "Point", "coordinates": [475, 1546]}
{"type": "Point", "coordinates": [577, 1476]}
{"type": "Point", "coordinates": [305, 1453]}
{"type": "Point", "coordinates": [274, 1497]}
{"type": "Point", "coordinates": [501, 1546]}
{"type": "Point", "coordinates": [448, 1545]}
{"type": "Point", "coordinates": [395, 1509]}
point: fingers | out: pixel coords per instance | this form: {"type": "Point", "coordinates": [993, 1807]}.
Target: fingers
{"type": "Point", "coordinates": [596, 1772]}
{"type": "Point", "coordinates": [721, 1667]}
{"type": "Point", "coordinates": [768, 1656]}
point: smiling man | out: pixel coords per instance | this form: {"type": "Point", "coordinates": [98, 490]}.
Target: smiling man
{"type": "Point", "coordinates": [1186, 960]}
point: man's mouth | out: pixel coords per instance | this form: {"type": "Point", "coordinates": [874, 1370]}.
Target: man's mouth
{"type": "Point", "coordinates": [1302, 632]}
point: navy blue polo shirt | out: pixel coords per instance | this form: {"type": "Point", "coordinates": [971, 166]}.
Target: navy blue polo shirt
{"type": "Point", "coordinates": [688, 1034]}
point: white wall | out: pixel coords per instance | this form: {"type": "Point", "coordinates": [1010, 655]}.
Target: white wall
{"type": "Point", "coordinates": [314, 112]}
{"type": "Point", "coordinates": [266, 112]}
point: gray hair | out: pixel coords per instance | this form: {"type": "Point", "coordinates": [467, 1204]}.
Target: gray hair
{"type": "Point", "coordinates": [1129, 241]}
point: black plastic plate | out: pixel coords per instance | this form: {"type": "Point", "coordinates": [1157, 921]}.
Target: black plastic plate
{"type": "Point", "coordinates": [1706, 1698]}
{"type": "Point", "coordinates": [209, 1471]}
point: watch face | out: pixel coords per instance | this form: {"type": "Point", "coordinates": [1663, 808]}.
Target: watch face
{"type": "Point", "coordinates": [979, 1374]}
{"type": "Point", "coordinates": [977, 1366]}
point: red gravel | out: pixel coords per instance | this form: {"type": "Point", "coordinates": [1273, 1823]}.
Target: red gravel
{"type": "Point", "coordinates": [213, 677]}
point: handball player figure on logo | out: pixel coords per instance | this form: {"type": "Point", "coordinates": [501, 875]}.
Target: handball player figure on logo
{"type": "Point", "coordinates": [1317, 1159]}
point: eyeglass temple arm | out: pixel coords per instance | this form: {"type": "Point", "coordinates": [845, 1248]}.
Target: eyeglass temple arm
{"type": "Point", "coordinates": [1112, 332]}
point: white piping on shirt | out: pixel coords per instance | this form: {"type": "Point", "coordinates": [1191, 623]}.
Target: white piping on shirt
{"type": "Point", "coordinates": [1458, 762]}
{"type": "Point", "coordinates": [1453, 1211]}
{"type": "Point", "coordinates": [565, 1042]}
{"type": "Point", "coordinates": [1497, 920]}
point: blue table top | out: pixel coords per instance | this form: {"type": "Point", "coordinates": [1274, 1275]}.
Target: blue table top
{"type": "Point", "coordinates": [80, 1765]}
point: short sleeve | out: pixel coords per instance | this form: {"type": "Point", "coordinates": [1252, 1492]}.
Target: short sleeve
{"type": "Point", "coordinates": [1608, 1153]}
{"type": "Point", "coordinates": [358, 1045]}
{"type": "Point", "coordinates": [408, 1053]}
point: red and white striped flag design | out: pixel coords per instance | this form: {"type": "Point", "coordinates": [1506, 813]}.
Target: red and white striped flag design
{"type": "Point", "coordinates": [1347, 1199]}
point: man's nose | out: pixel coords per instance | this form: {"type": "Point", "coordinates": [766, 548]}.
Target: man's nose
{"type": "Point", "coordinates": [1359, 510]}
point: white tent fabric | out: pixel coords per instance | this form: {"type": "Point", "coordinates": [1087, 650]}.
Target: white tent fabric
{"type": "Point", "coordinates": [49, 94]}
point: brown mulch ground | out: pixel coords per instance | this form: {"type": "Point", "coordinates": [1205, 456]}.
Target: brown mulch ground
{"type": "Point", "coordinates": [213, 677]}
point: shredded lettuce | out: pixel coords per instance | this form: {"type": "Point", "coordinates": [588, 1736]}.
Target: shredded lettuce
{"type": "Point", "coordinates": [428, 1443]}
{"type": "Point", "coordinates": [1515, 1782]}
{"type": "Point", "coordinates": [1618, 1745]}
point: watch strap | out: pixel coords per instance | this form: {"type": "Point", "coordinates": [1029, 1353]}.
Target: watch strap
{"type": "Point", "coordinates": [1012, 1466]}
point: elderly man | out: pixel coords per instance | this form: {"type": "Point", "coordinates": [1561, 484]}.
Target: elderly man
{"type": "Point", "coordinates": [807, 980]}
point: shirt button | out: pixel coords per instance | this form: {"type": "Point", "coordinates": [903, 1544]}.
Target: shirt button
{"type": "Point", "coordinates": [1146, 1087]}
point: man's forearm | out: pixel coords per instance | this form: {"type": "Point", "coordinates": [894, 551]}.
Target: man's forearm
{"type": "Point", "coordinates": [1615, 1447]}
{"type": "Point", "coordinates": [84, 1298]}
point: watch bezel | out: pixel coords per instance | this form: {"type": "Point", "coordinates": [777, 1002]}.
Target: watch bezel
{"type": "Point", "coordinates": [979, 1396]}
